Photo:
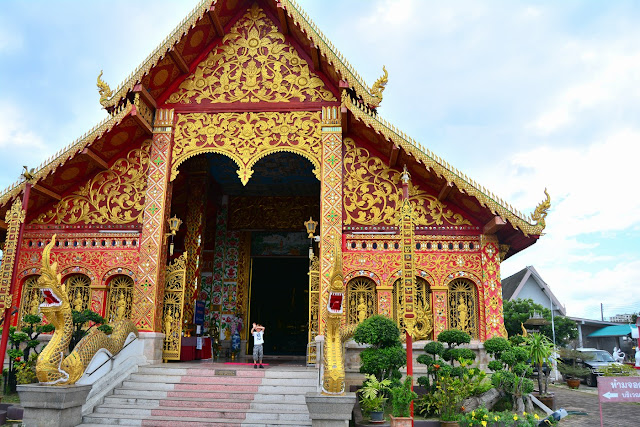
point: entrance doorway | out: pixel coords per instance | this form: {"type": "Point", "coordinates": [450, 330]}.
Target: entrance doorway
{"type": "Point", "coordinates": [280, 302]}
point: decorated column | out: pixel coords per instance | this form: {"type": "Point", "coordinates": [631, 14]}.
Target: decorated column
{"type": "Point", "coordinates": [218, 267]}
{"type": "Point", "coordinates": [148, 293]}
{"type": "Point", "coordinates": [330, 200]}
{"type": "Point", "coordinates": [15, 224]}
{"type": "Point", "coordinates": [493, 315]}
{"type": "Point", "coordinates": [194, 239]}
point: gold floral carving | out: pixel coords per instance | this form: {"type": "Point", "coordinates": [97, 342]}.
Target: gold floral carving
{"type": "Point", "coordinates": [372, 193]}
{"type": "Point", "coordinates": [252, 64]}
{"type": "Point", "coordinates": [247, 137]}
{"type": "Point", "coordinates": [271, 213]}
{"type": "Point", "coordinates": [113, 196]}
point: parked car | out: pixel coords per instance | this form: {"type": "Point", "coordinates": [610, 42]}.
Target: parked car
{"type": "Point", "coordinates": [593, 359]}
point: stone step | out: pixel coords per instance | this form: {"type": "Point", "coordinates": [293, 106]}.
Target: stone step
{"type": "Point", "coordinates": [172, 421]}
{"type": "Point", "coordinates": [194, 379]}
{"type": "Point", "coordinates": [283, 394]}
{"type": "Point", "coordinates": [137, 385]}
{"type": "Point", "coordinates": [203, 402]}
{"type": "Point", "coordinates": [170, 411]}
{"type": "Point", "coordinates": [270, 411]}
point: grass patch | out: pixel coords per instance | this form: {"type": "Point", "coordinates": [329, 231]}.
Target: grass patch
{"type": "Point", "coordinates": [10, 398]}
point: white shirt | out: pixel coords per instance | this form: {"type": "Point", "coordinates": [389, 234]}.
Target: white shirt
{"type": "Point", "coordinates": [258, 337]}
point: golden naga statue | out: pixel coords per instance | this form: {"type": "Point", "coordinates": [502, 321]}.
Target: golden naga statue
{"type": "Point", "coordinates": [379, 85]}
{"type": "Point", "coordinates": [333, 381]}
{"type": "Point", "coordinates": [52, 368]}
{"type": "Point", "coordinates": [104, 90]}
{"type": "Point", "coordinates": [540, 212]}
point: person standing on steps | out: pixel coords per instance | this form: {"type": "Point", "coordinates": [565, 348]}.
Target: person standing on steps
{"type": "Point", "coordinates": [258, 339]}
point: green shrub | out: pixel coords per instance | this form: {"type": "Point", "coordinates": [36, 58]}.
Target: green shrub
{"type": "Point", "coordinates": [434, 348]}
{"type": "Point", "coordinates": [454, 337]}
{"type": "Point", "coordinates": [377, 331]}
{"type": "Point", "coordinates": [402, 396]}
{"type": "Point", "coordinates": [496, 346]}
{"type": "Point", "coordinates": [385, 356]}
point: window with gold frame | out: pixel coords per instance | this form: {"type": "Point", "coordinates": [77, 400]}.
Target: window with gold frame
{"type": "Point", "coordinates": [79, 291]}
{"type": "Point", "coordinates": [361, 300]}
{"type": "Point", "coordinates": [424, 313]}
{"type": "Point", "coordinates": [30, 301]}
{"type": "Point", "coordinates": [120, 298]}
{"type": "Point", "coordinates": [462, 307]}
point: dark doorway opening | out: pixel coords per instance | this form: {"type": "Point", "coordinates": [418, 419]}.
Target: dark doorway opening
{"type": "Point", "coordinates": [280, 302]}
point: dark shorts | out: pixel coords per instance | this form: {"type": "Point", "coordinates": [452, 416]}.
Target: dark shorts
{"type": "Point", "coordinates": [258, 352]}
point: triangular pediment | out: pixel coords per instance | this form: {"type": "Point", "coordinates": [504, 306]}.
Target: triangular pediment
{"type": "Point", "coordinates": [254, 63]}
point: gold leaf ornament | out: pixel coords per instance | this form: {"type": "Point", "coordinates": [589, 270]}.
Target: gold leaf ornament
{"type": "Point", "coordinates": [113, 196]}
{"type": "Point", "coordinates": [371, 193]}
{"type": "Point", "coordinates": [247, 137]}
{"type": "Point", "coordinates": [254, 63]}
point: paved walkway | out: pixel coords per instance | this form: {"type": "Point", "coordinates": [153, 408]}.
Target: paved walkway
{"type": "Point", "coordinates": [585, 399]}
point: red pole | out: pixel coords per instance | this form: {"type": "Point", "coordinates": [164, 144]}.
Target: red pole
{"type": "Point", "coordinates": [410, 366]}
{"type": "Point", "coordinates": [8, 309]}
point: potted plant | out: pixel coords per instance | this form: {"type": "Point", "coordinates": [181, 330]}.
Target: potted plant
{"type": "Point", "coordinates": [450, 393]}
{"type": "Point", "coordinates": [402, 396]}
{"type": "Point", "coordinates": [540, 350]}
{"type": "Point", "coordinates": [569, 368]}
{"type": "Point", "coordinates": [372, 398]}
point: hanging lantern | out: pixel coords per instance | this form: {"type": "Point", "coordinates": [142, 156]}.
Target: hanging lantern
{"type": "Point", "coordinates": [174, 226]}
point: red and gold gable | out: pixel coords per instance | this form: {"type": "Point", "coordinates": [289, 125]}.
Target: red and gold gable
{"type": "Point", "coordinates": [254, 63]}
{"type": "Point", "coordinates": [113, 196]}
{"type": "Point", "coordinates": [372, 194]}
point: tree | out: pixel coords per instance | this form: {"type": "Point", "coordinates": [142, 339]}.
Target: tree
{"type": "Point", "coordinates": [386, 356]}
{"type": "Point", "coordinates": [80, 318]}
{"type": "Point", "coordinates": [540, 350]}
{"type": "Point", "coordinates": [520, 310]}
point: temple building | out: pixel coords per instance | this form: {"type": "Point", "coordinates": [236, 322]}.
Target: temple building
{"type": "Point", "coordinates": [245, 123]}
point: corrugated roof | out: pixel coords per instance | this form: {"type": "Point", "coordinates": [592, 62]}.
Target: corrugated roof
{"type": "Point", "coordinates": [611, 331]}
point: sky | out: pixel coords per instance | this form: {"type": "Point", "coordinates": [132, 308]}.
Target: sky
{"type": "Point", "coordinates": [521, 96]}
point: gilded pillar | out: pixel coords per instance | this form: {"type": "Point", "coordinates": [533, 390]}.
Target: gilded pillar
{"type": "Point", "coordinates": [493, 317]}
{"type": "Point", "coordinates": [330, 201]}
{"type": "Point", "coordinates": [242, 288]}
{"type": "Point", "coordinates": [218, 266]}
{"type": "Point", "coordinates": [194, 239]}
{"type": "Point", "coordinates": [14, 218]}
{"type": "Point", "coordinates": [148, 292]}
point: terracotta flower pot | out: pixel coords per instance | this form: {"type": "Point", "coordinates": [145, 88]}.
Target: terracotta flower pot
{"type": "Point", "coordinates": [401, 421]}
{"type": "Point", "coordinates": [549, 400]}
{"type": "Point", "coordinates": [573, 382]}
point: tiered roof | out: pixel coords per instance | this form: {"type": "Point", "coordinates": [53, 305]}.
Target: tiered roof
{"type": "Point", "coordinates": [361, 104]}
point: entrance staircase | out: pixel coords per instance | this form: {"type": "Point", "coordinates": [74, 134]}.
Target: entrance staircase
{"type": "Point", "coordinates": [207, 394]}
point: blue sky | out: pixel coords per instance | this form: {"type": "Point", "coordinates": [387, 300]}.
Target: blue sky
{"type": "Point", "coordinates": [521, 96]}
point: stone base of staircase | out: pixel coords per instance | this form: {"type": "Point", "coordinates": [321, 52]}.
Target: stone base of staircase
{"type": "Point", "coordinates": [208, 394]}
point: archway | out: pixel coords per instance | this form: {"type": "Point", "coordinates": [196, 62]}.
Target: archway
{"type": "Point", "coordinates": [252, 257]}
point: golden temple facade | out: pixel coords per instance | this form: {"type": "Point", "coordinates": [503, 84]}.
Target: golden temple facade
{"type": "Point", "coordinates": [241, 126]}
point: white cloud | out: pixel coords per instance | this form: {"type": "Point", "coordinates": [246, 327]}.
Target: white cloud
{"type": "Point", "coordinates": [607, 77]}
{"type": "Point", "coordinates": [582, 292]}
{"type": "Point", "coordinates": [14, 129]}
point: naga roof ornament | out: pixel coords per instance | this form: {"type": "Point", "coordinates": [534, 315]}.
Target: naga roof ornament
{"type": "Point", "coordinates": [540, 213]}
{"type": "Point", "coordinates": [104, 90]}
{"type": "Point", "coordinates": [379, 85]}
